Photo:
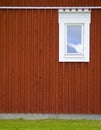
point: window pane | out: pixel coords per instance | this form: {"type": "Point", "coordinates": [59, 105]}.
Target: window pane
{"type": "Point", "coordinates": [74, 43]}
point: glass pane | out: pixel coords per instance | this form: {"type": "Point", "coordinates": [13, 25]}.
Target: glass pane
{"type": "Point", "coordinates": [74, 44]}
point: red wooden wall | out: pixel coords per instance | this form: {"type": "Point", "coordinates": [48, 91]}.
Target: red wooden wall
{"type": "Point", "coordinates": [31, 78]}
{"type": "Point", "coordinates": [50, 2]}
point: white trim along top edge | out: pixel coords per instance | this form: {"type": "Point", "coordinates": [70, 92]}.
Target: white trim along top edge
{"type": "Point", "coordinates": [33, 7]}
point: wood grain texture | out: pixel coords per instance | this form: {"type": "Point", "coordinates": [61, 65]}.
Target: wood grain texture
{"type": "Point", "coordinates": [50, 3]}
{"type": "Point", "coordinates": [31, 78]}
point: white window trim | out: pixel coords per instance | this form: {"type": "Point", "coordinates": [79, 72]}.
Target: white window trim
{"type": "Point", "coordinates": [68, 17]}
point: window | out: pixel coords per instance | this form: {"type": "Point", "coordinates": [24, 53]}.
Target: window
{"type": "Point", "coordinates": [74, 41]}
{"type": "Point", "coordinates": [74, 28]}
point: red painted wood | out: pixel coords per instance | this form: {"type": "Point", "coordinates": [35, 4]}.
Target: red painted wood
{"type": "Point", "coordinates": [31, 78]}
{"type": "Point", "coordinates": [50, 3]}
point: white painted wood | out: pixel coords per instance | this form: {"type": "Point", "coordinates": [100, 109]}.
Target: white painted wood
{"type": "Point", "coordinates": [74, 17]}
{"type": "Point", "coordinates": [33, 7]}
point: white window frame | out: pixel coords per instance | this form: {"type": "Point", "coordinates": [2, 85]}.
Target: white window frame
{"type": "Point", "coordinates": [74, 17]}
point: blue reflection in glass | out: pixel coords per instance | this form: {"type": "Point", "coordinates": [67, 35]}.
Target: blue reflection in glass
{"type": "Point", "coordinates": [74, 39]}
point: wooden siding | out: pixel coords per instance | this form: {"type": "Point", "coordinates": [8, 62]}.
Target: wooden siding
{"type": "Point", "coordinates": [50, 3]}
{"type": "Point", "coordinates": [31, 78]}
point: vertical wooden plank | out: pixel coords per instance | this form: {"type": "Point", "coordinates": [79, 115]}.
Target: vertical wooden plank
{"type": "Point", "coordinates": [10, 70]}
{"type": "Point", "coordinates": [56, 48]}
{"type": "Point", "coordinates": [32, 66]}
{"type": "Point", "coordinates": [48, 84]}
{"type": "Point", "coordinates": [47, 58]}
{"type": "Point", "coordinates": [2, 15]}
{"type": "Point", "coordinates": [22, 60]}
{"type": "Point", "coordinates": [97, 107]}
{"type": "Point", "coordinates": [29, 40]}
{"type": "Point", "coordinates": [38, 58]}
{"type": "Point", "coordinates": [3, 75]}
{"type": "Point", "coordinates": [94, 67]}
{"type": "Point", "coordinates": [54, 51]}
{"type": "Point", "coordinates": [16, 54]}
{"type": "Point", "coordinates": [34, 62]}
{"type": "Point", "coordinates": [60, 84]}
{"type": "Point", "coordinates": [43, 51]}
